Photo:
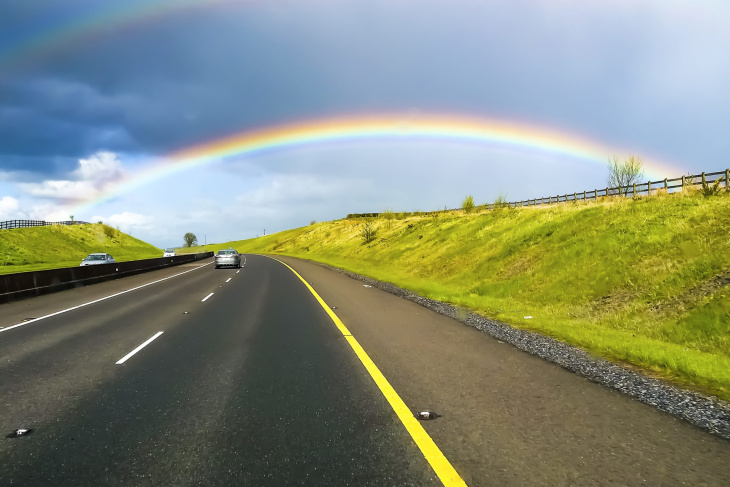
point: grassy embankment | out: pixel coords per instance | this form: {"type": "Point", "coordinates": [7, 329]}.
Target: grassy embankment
{"type": "Point", "coordinates": [643, 282]}
{"type": "Point", "coordinates": [52, 247]}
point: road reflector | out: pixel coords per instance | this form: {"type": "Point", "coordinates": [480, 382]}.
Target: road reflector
{"type": "Point", "coordinates": [19, 432]}
{"type": "Point", "coordinates": [426, 415]}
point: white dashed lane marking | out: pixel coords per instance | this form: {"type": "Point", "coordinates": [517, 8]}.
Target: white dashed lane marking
{"type": "Point", "coordinates": [130, 354]}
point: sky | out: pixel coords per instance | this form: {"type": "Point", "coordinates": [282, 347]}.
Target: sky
{"type": "Point", "coordinates": [111, 111]}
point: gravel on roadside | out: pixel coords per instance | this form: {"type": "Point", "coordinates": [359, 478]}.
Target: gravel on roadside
{"type": "Point", "coordinates": [709, 413]}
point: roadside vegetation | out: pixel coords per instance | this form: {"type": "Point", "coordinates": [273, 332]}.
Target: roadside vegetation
{"type": "Point", "coordinates": [53, 247]}
{"type": "Point", "coordinates": [642, 281]}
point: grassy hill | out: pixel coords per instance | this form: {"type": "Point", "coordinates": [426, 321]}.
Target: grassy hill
{"type": "Point", "coordinates": [641, 281]}
{"type": "Point", "coordinates": [51, 247]}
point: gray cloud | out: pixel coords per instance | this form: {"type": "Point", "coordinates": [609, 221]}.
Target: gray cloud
{"type": "Point", "coordinates": [648, 76]}
{"type": "Point", "coordinates": [622, 74]}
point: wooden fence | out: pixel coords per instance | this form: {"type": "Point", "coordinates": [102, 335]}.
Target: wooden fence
{"type": "Point", "coordinates": [669, 185]}
{"type": "Point", "coordinates": [7, 225]}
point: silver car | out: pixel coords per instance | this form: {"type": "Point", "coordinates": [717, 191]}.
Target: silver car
{"type": "Point", "coordinates": [96, 259]}
{"type": "Point", "coordinates": [228, 257]}
{"type": "Point", "coordinates": [169, 253]}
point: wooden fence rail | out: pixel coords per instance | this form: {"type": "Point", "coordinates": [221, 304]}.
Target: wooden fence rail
{"type": "Point", "coordinates": [669, 185]}
{"type": "Point", "coordinates": [684, 182]}
{"type": "Point", "coordinates": [9, 224]}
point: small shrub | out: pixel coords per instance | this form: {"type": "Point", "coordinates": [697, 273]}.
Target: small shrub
{"type": "Point", "coordinates": [368, 233]}
{"type": "Point", "coordinates": [468, 204]}
{"type": "Point", "coordinates": [500, 201]}
{"type": "Point", "coordinates": [712, 189]}
{"type": "Point", "coordinates": [388, 216]}
{"type": "Point", "coordinates": [313, 222]}
{"type": "Point", "coordinates": [109, 231]}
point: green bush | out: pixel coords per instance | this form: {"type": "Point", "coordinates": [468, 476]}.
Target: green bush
{"type": "Point", "coordinates": [109, 231]}
{"type": "Point", "coordinates": [500, 201]}
{"type": "Point", "coordinates": [468, 204]}
{"type": "Point", "coordinates": [712, 189]}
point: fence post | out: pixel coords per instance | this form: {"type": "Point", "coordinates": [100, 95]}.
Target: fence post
{"type": "Point", "coordinates": [633, 192]}
{"type": "Point", "coordinates": [727, 179]}
{"type": "Point", "coordinates": [606, 192]}
{"type": "Point", "coordinates": [704, 182]}
{"type": "Point", "coordinates": [665, 184]}
{"type": "Point", "coordinates": [648, 188]}
{"type": "Point", "coordinates": [682, 184]}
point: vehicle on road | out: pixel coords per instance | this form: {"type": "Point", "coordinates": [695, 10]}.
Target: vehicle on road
{"type": "Point", "coordinates": [227, 257]}
{"type": "Point", "coordinates": [96, 259]}
{"type": "Point", "coordinates": [169, 253]}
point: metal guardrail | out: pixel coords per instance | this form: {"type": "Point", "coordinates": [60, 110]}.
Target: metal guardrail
{"type": "Point", "coordinates": [10, 224]}
{"type": "Point", "coordinates": [26, 284]}
{"type": "Point", "coordinates": [703, 179]}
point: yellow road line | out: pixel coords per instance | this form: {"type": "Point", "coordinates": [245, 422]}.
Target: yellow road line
{"type": "Point", "coordinates": [440, 464]}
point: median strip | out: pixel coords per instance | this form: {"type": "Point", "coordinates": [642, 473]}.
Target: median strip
{"type": "Point", "coordinates": [130, 354]}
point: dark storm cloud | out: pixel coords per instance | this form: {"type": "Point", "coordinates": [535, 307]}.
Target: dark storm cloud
{"type": "Point", "coordinates": [619, 75]}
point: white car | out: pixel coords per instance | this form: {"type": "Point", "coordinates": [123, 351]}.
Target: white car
{"type": "Point", "coordinates": [96, 259]}
{"type": "Point", "coordinates": [169, 253]}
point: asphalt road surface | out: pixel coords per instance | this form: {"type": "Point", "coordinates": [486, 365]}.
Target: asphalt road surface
{"type": "Point", "coordinates": [255, 384]}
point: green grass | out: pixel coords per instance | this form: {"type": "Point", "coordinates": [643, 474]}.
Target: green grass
{"type": "Point", "coordinates": [643, 282]}
{"type": "Point", "coordinates": [53, 247]}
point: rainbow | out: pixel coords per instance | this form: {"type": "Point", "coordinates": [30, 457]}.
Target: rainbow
{"type": "Point", "coordinates": [377, 129]}
{"type": "Point", "coordinates": [82, 25]}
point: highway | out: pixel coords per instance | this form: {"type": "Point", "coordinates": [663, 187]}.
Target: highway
{"type": "Point", "coordinates": [196, 376]}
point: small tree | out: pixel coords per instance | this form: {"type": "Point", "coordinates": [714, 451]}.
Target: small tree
{"type": "Point", "coordinates": [368, 233]}
{"type": "Point", "coordinates": [468, 204]}
{"type": "Point", "coordinates": [624, 173]}
{"type": "Point", "coordinates": [190, 239]}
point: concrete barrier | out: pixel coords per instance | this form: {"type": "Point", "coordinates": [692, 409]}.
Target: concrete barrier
{"type": "Point", "coordinates": [26, 284]}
